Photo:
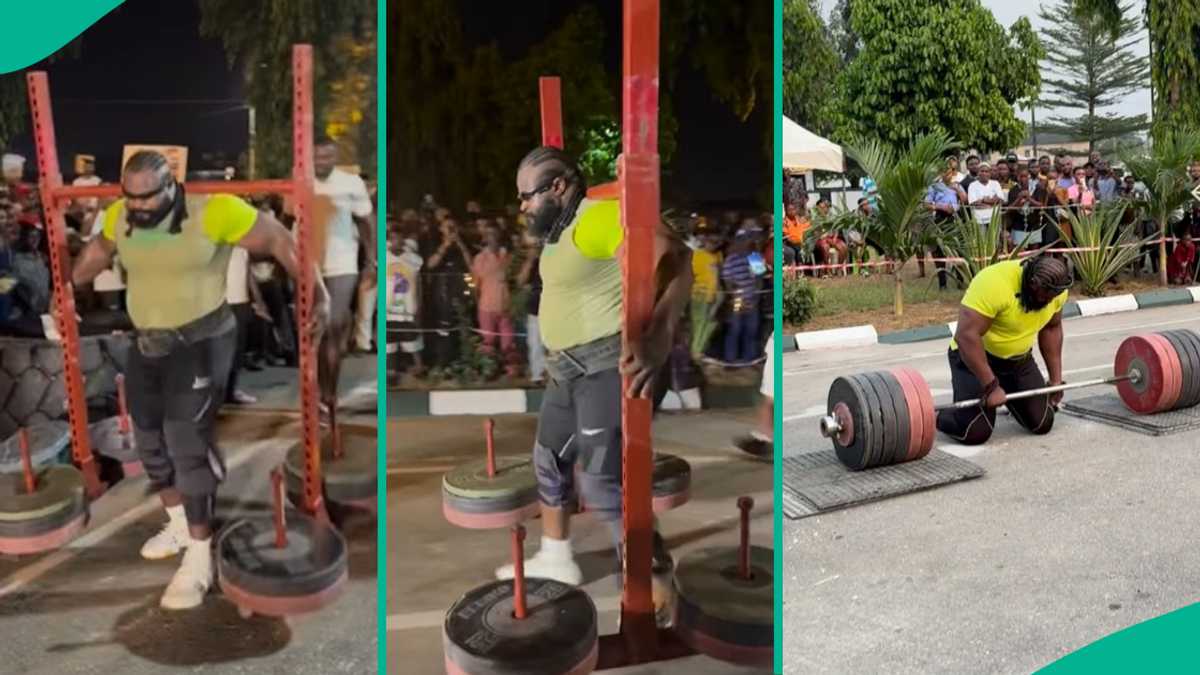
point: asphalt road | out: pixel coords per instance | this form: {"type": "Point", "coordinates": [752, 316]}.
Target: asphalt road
{"type": "Point", "coordinates": [92, 607]}
{"type": "Point", "coordinates": [1069, 537]}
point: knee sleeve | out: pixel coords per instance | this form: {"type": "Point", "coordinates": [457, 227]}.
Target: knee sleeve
{"type": "Point", "coordinates": [554, 483]}
{"type": "Point", "coordinates": [155, 461]}
{"type": "Point", "coordinates": [600, 473]}
{"type": "Point", "coordinates": [966, 427]}
{"type": "Point", "coordinates": [199, 468]}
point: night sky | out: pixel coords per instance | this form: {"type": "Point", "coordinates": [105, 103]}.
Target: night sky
{"type": "Point", "coordinates": [718, 158]}
{"type": "Point", "coordinates": [150, 52]}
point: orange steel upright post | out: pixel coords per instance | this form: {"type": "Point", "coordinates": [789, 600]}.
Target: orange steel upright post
{"type": "Point", "coordinates": [550, 97]}
{"type": "Point", "coordinates": [302, 195]}
{"type": "Point", "coordinates": [49, 181]}
{"type": "Point", "coordinates": [638, 173]}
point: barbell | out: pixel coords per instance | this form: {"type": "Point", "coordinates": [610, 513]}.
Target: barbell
{"type": "Point", "coordinates": [886, 417]}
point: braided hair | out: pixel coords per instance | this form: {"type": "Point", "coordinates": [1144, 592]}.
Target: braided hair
{"type": "Point", "coordinates": [1042, 272]}
{"type": "Point", "coordinates": [568, 169]}
{"type": "Point", "coordinates": [150, 160]}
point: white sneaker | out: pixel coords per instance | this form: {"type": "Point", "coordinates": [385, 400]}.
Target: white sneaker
{"type": "Point", "coordinates": [553, 561]}
{"type": "Point", "coordinates": [193, 578]}
{"type": "Point", "coordinates": [171, 539]}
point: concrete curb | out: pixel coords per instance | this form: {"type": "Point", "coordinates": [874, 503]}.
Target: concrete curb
{"type": "Point", "coordinates": [509, 401]}
{"type": "Point", "coordinates": [859, 336]}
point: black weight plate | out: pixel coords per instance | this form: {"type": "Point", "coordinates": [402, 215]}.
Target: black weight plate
{"type": "Point", "coordinates": [502, 504]}
{"type": "Point", "coordinates": [1192, 338]}
{"type": "Point", "coordinates": [712, 599]}
{"type": "Point", "coordinates": [313, 560]}
{"type": "Point", "coordinates": [46, 441]}
{"type": "Point", "coordinates": [107, 440]}
{"type": "Point", "coordinates": [846, 391]}
{"type": "Point", "coordinates": [891, 423]}
{"type": "Point", "coordinates": [900, 411]}
{"type": "Point", "coordinates": [672, 475]}
{"type": "Point", "coordinates": [1189, 358]}
{"type": "Point", "coordinates": [884, 427]}
{"type": "Point", "coordinates": [46, 523]}
{"type": "Point", "coordinates": [56, 486]}
{"type": "Point", "coordinates": [481, 635]}
{"type": "Point", "coordinates": [352, 477]}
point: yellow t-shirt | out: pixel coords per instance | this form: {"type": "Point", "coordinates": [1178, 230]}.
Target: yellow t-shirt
{"type": "Point", "coordinates": [581, 278]}
{"type": "Point", "coordinates": [173, 279]}
{"type": "Point", "coordinates": [993, 293]}
{"type": "Point", "coordinates": [706, 274]}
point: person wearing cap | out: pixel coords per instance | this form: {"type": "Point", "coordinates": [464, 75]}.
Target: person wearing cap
{"type": "Point", "coordinates": [19, 192]}
{"type": "Point", "coordinates": [1007, 308]}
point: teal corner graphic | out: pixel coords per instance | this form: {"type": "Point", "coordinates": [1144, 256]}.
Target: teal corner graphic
{"type": "Point", "coordinates": [57, 23]}
{"type": "Point", "coordinates": [1160, 645]}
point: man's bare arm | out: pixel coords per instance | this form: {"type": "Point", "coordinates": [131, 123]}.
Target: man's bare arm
{"type": "Point", "coordinates": [267, 237]}
{"type": "Point", "coordinates": [96, 257]}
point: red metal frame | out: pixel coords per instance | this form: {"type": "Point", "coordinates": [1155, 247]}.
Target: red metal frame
{"type": "Point", "coordinates": [550, 98]}
{"type": "Point", "coordinates": [50, 180]}
{"type": "Point", "coordinates": [302, 194]}
{"type": "Point", "coordinates": [55, 195]}
{"type": "Point", "coordinates": [638, 173]}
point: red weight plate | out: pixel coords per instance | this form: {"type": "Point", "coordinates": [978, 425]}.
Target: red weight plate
{"type": "Point", "coordinates": [249, 602]}
{"type": "Point", "coordinates": [930, 422]}
{"type": "Point", "coordinates": [1174, 370]}
{"type": "Point", "coordinates": [1146, 354]}
{"type": "Point", "coordinates": [587, 665]}
{"type": "Point", "coordinates": [916, 420]}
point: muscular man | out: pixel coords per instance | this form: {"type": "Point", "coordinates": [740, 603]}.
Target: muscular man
{"type": "Point", "coordinates": [1006, 308]}
{"type": "Point", "coordinates": [351, 226]}
{"type": "Point", "coordinates": [176, 250]}
{"type": "Point", "coordinates": [580, 323]}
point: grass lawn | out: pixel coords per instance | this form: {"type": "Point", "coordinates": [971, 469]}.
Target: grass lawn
{"type": "Point", "coordinates": [854, 301]}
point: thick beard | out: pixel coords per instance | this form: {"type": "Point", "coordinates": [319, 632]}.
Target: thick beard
{"type": "Point", "coordinates": [543, 219]}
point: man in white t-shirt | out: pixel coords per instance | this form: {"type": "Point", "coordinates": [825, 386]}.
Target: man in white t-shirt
{"type": "Point", "coordinates": [350, 225]}
{"type": "Point", "coordinates": [109, 285]}
{"type": "Point", "coordinates": [984, 194]}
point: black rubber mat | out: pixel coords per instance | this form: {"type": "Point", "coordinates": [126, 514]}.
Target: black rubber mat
{"type": "Point", "coordinates": [1108, 409]}
{"type": "Point", "coordinates": [816, 482]}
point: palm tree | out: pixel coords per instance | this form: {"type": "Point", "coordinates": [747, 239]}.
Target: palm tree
{"type": "Point", "coordinates": [902, 179]}
{"type": "Point", "coordinates": [1164, 171]}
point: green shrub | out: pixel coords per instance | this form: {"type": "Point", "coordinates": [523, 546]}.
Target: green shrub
{"type": "Point", "coordinates": [799, 300]}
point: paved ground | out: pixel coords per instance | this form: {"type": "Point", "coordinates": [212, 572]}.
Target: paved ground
{"type": "Point", "coordinates": [1068, 538]}
{"type": "Point", "coordinates": [92, 607]}
{"type": "Point", "coordinates": [431, 563]}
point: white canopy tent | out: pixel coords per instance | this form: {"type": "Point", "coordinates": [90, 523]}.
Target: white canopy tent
{"type": "Point", "coordinates": [804, 151]}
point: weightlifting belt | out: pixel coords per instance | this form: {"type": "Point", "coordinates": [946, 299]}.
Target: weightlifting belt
{"type": "Point", "coordinates": [586, 359]}
{"type": "Point", "coordinates": [155, 343]}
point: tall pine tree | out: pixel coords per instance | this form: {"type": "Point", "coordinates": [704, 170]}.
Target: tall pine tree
{"type": "Point", "coordinates": [1087, 68]}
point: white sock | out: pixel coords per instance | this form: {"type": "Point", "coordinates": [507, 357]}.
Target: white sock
{"type": "Point", "coordinates": [204, 544]}
{"type": "Point", "coordinates": [177, 516]}
{"type": "Point", "coordinates": [555, 548]}
{"type": "Point", "coordinates": [760, 436]}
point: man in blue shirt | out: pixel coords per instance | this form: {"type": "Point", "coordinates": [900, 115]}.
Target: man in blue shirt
{"type": "Point", "coordinates": [944, 199]}
{"type": "Point", "coordinates": [1106, 183]}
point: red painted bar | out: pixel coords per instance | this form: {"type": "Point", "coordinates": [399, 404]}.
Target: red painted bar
{"type": "Point", "coordinates": [302, 193]}
{"type": "Point", "coordinates": [49, 181]}
{"type": "Point", "coordinates": [200, 187]}
{"type": "Point", "coordinates": [550, 96]}
{"type": "Point", "coordinates": [638, 173]}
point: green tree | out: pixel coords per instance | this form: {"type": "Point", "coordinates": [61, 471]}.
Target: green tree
{"type": "Point", "coordinates": [810, 66]}
{"type": "Point", "coordinates": [930, 67]}
{"type": "Point", "coordinates": [258, 38]}
{"type": "Point", "coordinates": [902, 178]}
{"type": "Point", "coordinates": [1089, 70]}
{"type": "Point", "coordinates": [1164, 172]}
{"type": "Point", "coordinates": [845, 40]}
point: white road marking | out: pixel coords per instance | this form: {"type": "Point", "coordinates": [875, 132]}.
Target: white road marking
{"type": "Point", "coordinates": [27, 575]}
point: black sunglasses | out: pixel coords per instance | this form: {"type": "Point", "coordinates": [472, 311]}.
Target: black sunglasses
{"type": "Point", "coordinates": [526, 196]}
{"type": "Point", "coordinates": [147, 195]}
